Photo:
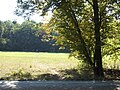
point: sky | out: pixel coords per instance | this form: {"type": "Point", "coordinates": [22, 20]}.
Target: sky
{"type": "Point", "coordinates": [7, 8]}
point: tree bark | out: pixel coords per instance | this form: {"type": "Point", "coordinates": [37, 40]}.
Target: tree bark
{"type": "Point", "coordinates": [98, 68]}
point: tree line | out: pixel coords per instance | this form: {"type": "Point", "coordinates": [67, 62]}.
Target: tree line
{"type": "Point", "coordinates": [27, 36]}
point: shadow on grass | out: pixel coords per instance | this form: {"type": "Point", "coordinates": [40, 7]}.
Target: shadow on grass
{"type": "Point", "coordinates": [112, 74]}
{"type": "Point", "coordinates": [47, 76]}
{"type": "Point", "coordinates": [67, 75]}
{"type": "Point", "coordinates": [69, 79]}
{"type": "Point", "coordinates": [78, 75]}
{"type": "Point", "coordinates": [84, 74]}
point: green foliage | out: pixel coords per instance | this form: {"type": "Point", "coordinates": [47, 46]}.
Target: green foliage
{"type": "Point", "coordinates": [84, 26]}
{"type": "Point", "coordinates": [27, 36]}
{"type": "Point", "coordinates": [111, 48]}
{"type": "Point", "coordinates": [63, 21]}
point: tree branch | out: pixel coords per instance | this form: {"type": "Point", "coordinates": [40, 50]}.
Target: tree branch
{"type": "Point", "coordinates": [102, 11]}
{"type": "Point", "coordinates": [89, 2]}
{"type": "Point", "coordinates": [85, 50]}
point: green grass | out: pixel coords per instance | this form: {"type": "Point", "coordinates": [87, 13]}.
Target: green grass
{"type": "Point", "coordinates": [34, 63]}
{"type": "Point", "coordinates": [49, 66]}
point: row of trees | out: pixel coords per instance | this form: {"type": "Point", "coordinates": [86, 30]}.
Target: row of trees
{"type": "Point", "coordinates": [25, 37]}
{"type": "Point", "coordinates": [89, 27]}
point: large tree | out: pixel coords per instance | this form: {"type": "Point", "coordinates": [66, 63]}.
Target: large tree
{"type": "Point", "coordinates": [79, 23]}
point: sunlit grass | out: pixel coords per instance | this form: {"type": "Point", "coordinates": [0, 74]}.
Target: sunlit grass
{"type": "Point", "coordinates": [35, 63]}
{"type": "Point", "coordinates": [25, 65]}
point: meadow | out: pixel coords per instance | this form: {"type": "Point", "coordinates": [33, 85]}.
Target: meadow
{"type": "Point", "coordinates": [31, 63]}
{"type": "Point", "coordinates": [48, 66]}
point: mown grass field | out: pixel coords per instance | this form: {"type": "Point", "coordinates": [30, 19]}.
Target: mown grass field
{"type": "Point", "coordinates": [34, 63]}
{"type": "Point", "coordinates": [49, 66]}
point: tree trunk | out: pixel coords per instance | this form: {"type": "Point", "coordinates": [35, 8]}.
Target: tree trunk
{"type": "Point", "coordinates": [98, 69]}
